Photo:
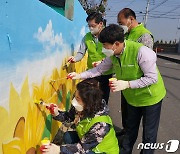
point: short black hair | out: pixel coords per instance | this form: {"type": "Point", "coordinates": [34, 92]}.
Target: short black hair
{"type": "Point", "coordinates": [96, 16]}
{"type": "Point", "coordinates": [127, 12]}
{"type": "Point", "coordinates": [111, 34]}
{"type": "Point", "coordinates": [91, 96]}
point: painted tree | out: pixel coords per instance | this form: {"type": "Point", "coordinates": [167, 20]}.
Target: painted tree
{"type": "Point", "coordinates": [94, 5]}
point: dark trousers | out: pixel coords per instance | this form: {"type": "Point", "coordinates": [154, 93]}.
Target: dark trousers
{"type": "Point", "coordinates": [104, 85]}
{"type": "Point", "coordinates": [124, 112]}
{"type": "Point", "coordinates": [71, 137]}
{"type": "Point", "coordinates": [151, 117]}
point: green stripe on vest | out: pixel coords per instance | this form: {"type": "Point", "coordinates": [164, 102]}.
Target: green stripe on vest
{"type": "Point", "coordinates": [137, 32]}
{"type": "Point", "coordinates": [130, 70]}
{"type": "Point", "coordinates": [94, 52]}
{"type": "Point", "coordinates": [109, 144]}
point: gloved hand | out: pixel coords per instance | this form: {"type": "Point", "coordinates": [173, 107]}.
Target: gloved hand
{"type": "Point", "coordinates": [71, 59]}
{"type": "Point", "coordinates": [119, 85]}
{"type": "Point", "coordinates": [73, 75]}
{"type": "Point", "coordinates": [51, 149]}
{"type": "Point", "coordinates": [53, 108]}
{"type": "Point", "coordinates": [96, 63]}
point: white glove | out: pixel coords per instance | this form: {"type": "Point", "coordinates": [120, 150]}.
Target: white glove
{"type": "Point", "coordinates": [119, 85]}
{"type": "Point", "coordinates": [74, 75]}
{"type": "Point", "coordinates": [96, 63]}
{"type": "Point", "coordinates": [71, 59]}
{"type": "Point", "coordinates": [51, 149]}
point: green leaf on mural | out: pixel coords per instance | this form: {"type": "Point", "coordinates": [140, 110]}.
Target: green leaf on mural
{"type": "Point", "coordinates": [68, 96]}
{"type": "Point", "coordinates": [60, 97]}
{"type": "Point", "coordinates": [47, 129]}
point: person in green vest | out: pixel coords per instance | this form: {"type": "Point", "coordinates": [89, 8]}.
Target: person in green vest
{"type": "Point", "coordinates": [94, 129]}
{"type": "Point", "coordinates": [93, 47]}
{"type": "Point", "coordinates": [140, 81]}
{"type": "Point", "coordinates": [134, 31]}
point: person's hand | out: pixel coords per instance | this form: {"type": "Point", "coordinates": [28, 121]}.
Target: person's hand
{"type": "Point", "coordinates": [53, 108]}
{"type": "Point", "coordinates": [71, 59]}
{"type": "Point", "coordinates": [96, 63]}
{"type": "Point", "coordinates": [51, 149]}
{"type": "Point", "coordinates": [119, 85]}
{"type": "Point", "coordinates": [73, 75]}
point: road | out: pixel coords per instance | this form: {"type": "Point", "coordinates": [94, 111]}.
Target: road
{"type": "Point", "coordinates": [169, 128]}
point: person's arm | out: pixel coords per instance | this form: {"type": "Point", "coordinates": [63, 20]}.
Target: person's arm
{"type": "Point", "coordinates": [91, 139]}
{"type": "Point", "coordinates": [81, 52]}
{"type": "Point", "coordinates": [105, 65]}
{"type": "Point", "coordinates": [147, 62]}
{"type": "Point", "coordinates": [66, 116]}
{"type": "Point", "coordinates": [147, 40]}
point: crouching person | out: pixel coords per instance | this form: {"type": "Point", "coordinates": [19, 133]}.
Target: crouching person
{"type": "Point", "coordinates": [94, 129]}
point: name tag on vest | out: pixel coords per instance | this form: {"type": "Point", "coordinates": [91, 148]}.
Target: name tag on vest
{"type": "Point", "coordinates": [129, 65]}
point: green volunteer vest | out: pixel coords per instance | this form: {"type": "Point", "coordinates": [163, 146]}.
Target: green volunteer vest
{"type": "Point", "coordinates": [137, 32]}
{"type": "Point", "coordinates": [109, 144]}
{"type": "Point", "coordinates": [130, 70]}
{"type": "Point", "coordinates": [94, 52]}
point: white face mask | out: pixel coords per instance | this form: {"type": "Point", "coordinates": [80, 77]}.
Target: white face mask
{"type": "Point", "coordinates": [108, 52]}
{"type": "Point", "coordinates": [77, 106]}
{"type": "Point", "coordinates": [94, 31]}
{"type": "Point", "coordinates": [125, 28]}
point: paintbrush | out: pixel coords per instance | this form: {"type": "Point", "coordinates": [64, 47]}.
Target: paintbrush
{"type": "Point", "coordinates": [41, 102]}
{"type": "Point", "coordinates": [50, 107]}
{"type": "Point", "coordinates": [68, 63]}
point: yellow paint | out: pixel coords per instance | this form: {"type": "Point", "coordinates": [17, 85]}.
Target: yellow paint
{"type": "Point", "coordinates": [112, 79]}
{"type": "Point", "coordinates": [45, 141]}
{"type": "Point", "coordinates": [21, 129]}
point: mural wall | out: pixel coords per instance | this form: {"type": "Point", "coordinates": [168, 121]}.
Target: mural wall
{"type": "Point", "coordinates": [36, 37]}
